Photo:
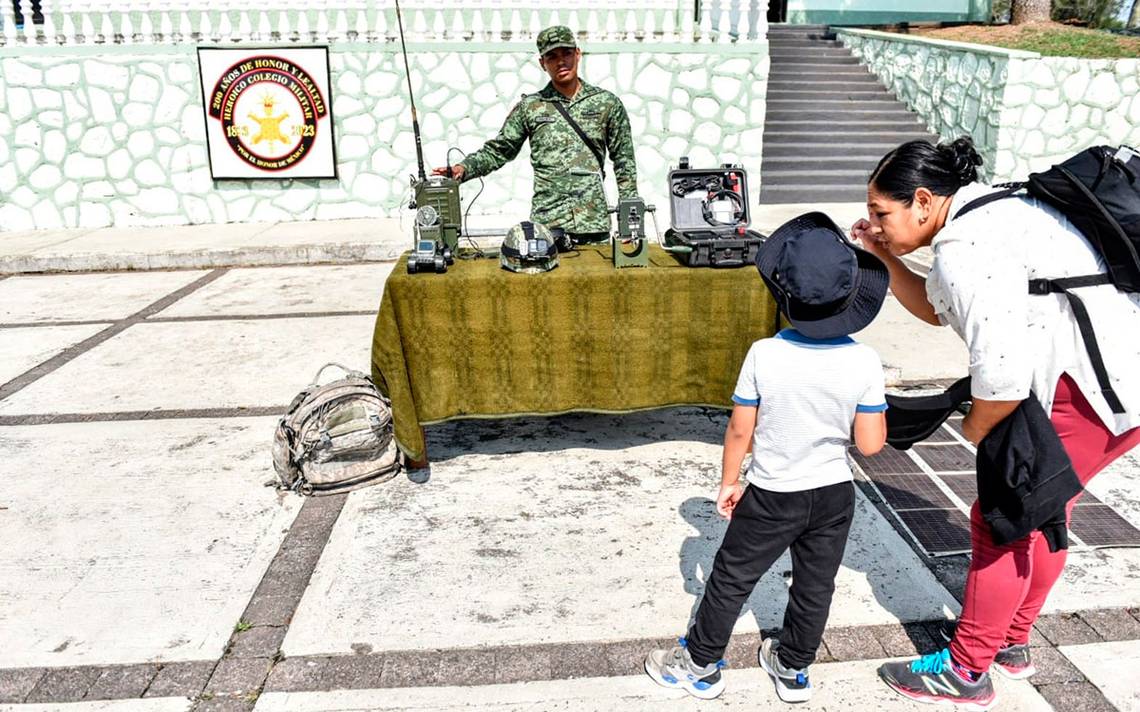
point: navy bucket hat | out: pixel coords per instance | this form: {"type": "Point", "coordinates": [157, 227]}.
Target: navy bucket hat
{"type": "Point", "coordinates": [823, 284]}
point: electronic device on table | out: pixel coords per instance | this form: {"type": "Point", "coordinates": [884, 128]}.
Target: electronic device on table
{"type": "Point", "coordinates": [709, 216]}
{"type": "Point", "coordinates": [629, 243]}
{"type": "Point", "coordinates": [434, 198]}
{"type": "Point", "coordinates": [427, 257]}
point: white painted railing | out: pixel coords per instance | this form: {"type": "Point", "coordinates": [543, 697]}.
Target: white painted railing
{"type": "Point", "coordinates": [747, 19]}
{"type": "Point", "coordinates": [66, 22]}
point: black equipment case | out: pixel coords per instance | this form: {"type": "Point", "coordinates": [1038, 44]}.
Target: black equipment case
{"type": "Point", "coordinates": [709, 217]}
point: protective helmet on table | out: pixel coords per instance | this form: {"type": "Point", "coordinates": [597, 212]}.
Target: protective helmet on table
{"type": "Point", "coordinates": [529, 247]}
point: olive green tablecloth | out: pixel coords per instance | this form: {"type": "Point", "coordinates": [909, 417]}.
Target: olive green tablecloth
{"type": "Point", "coordinates": [479, 341]}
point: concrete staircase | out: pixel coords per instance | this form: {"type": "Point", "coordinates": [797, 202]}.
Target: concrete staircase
{"type": "Point", "coordinates": [828, 123]}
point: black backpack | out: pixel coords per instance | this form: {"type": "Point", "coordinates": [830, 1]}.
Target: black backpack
{"type": "Point", "coordinates": [1098, 190]}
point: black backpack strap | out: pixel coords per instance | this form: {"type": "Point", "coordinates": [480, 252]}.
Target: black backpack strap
{"type": "Point", "coordinates": [582, 135]}
{"type": "Point", "coordinates": [1088, 335]}
{"type": "Point", "coordinates": [1009, 189]}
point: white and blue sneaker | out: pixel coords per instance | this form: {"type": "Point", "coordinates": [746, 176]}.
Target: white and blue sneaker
{"type": "Point", "coordinates": [792, 685]}
{"type": "Point", "coordinates": [675, 669]}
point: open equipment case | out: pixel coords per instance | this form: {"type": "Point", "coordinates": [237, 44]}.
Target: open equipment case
{"type": "Point", "coordinates": [709, 217]}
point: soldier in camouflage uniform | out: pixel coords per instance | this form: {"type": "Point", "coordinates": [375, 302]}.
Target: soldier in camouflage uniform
{"type": "Point", "coordinates": [568, 174]}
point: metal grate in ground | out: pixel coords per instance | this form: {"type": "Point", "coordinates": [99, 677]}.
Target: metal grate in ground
{"type": "Point", "coordinates": [931, 487]}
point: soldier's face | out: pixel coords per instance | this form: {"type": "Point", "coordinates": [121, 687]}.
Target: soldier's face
{"type": "Point", "coordinates": [561, 64]}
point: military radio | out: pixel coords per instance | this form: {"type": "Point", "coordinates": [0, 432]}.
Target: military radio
{"type": "Point", "coordinates": [436, 202]}
{"type": "Point", "coordinates": [435, 199]}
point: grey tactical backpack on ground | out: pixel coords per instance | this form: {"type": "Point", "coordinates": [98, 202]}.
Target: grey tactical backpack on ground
{"type": "Point", "coordinates": [336, 437]}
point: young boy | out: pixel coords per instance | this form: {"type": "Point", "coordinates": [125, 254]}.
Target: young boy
{"type": "Point", "coordinates": [800, 397]}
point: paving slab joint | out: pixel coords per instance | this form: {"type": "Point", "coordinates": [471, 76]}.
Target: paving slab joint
{"type": "Point", "coordinates": [1112, 624]}
{"type": "Point", "coordinates": [1083, 696]}
{"type": "Point", "coordinates": [220, 702]}
{"type": "Point", "coordinates": [1066, 629]}
{"type": "Point", "coordinates": [69, 354]}
{"type": "Point", "coordinates": [182, 679]}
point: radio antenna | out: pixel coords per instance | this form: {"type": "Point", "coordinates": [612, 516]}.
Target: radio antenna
{"type": "Point", "coordinates": [411, 97]}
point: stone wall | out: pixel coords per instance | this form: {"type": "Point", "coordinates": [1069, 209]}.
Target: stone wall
{"type": "Point", "coordinates": [1025, 112]}
{"type": "Point", "coordinates": [93, 136]}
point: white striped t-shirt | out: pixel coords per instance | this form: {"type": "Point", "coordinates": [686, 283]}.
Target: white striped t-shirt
{"type": "Point", "coordinates": [807, 392]}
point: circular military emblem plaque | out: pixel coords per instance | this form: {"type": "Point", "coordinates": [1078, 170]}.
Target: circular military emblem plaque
{"type": "Point", "coordinates": [268, 108]}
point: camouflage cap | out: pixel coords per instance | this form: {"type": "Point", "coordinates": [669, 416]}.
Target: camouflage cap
{"type": "Point", "coordinates": [555, 37]}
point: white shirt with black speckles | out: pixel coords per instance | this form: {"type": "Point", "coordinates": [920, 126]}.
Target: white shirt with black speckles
{"type": "Point", "coordinates": [978, 284]}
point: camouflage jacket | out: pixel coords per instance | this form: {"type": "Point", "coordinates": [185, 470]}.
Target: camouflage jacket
{"type": "Point", "coordinates": [567, 183]}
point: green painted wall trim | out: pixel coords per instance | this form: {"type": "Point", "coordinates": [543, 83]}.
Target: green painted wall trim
{"type": "Point", "coordinates": [878, 17]}
{"type": "Point", "coordinates": [941, 44]}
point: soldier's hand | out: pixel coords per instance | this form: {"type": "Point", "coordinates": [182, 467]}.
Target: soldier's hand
{"type": "Point", "coordinates": [456, 171]}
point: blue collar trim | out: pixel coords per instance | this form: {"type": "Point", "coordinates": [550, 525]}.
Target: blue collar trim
{"type": "Point", "coordinates": [796, 337]}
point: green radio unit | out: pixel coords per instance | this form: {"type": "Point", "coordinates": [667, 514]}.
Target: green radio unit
{"type": "Point", "coordinates": [438, 214]}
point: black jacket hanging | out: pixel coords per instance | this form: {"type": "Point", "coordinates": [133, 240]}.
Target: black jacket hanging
{"type": "Point", "coordinates": [1025, 477]}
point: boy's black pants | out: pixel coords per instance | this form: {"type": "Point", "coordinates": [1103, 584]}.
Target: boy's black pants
{"type": "Point", "coordinates": [814, 524]}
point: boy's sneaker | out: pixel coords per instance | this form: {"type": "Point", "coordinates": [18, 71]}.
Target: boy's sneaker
{"type": "Point", "coordinates": [1012, 661]}
{"type": "Point", "coordinates": [932, 678]}
{"type": "Point", "coordinates": [792, 685]}
{"type": "Point", "coordinates": [674, 668]}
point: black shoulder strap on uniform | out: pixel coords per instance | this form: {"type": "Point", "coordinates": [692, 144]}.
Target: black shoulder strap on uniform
{"type": "Point", "coordinates": [582, 135]}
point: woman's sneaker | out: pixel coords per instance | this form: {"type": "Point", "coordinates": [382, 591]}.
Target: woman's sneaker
{"type": "Point", "coordinates": [792, 685]}
{"type": "Point", "coordinates": [932, 678]}
{"type": "Point", "coordinates": [675, 669]}
{"type": "Point", "coordinates": [1012, 661]}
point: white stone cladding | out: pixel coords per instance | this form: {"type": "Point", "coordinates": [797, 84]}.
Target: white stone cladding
{"type": "Point", "coordinates": [91, 136]}
{"type": "Point", "coordinates": [1025, 112]}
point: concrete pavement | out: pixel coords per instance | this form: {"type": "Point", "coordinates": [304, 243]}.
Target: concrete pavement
{"type": "Point", "coordinates": [530, 567]}
{"type": "Point", "coordinates": [352, 242]}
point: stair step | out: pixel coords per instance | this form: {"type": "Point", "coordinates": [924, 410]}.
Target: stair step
{"type": "Point", "coordinates": [846, 73]}
{"type": "Point", "coordinates": [791, 37]}
{"type": "Point", "coordinates": [823, 68]}
{"type": "Point", "coordinates": [817, 88]}
{"type": "Point", "coordinates": [827, 82]}
{"type": "Point", "coordinates": [800, 59]}
{"type": "Point", "coordinates": [820, 178]}
{"type": "Point", "coordinates": [879, 102]}
{"type": "Point", "coordinates": [901, 125]}
{"type": "Point", "coordinates": [778, 31]}
{"type": "Point", "coordinates": [837, 115]}
{"type": "Point", "coordinates": [813, 36]}
{"type": "Point", "coordinates": [810, 53]}
{"type": "Point", "coordinates": [816, 36]}
{"type": "Point", "coordinates": [815, 150]}
{"type": "Point", "coordinates": [776, 195]}
{"type": "Point", "coordinates": [839, 111]}
{"type": "Point", "coordinates": [795, 27]}
{"type": "Point", "coordinates": [823, 95]}
{"type": "Point", "coordinates": [821, 48]}
{"type": "Point", "coordinates": [802, 163]}
{"type": "Point", "coordinates": [849, 138]}
{"type": "Point", "coordinates": [786, 43]}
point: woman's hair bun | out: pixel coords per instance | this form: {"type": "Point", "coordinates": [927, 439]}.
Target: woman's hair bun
{"type": "Point", "coordinates": [962, 158]}
{"type": "Point", "coordinates": [941, 169]}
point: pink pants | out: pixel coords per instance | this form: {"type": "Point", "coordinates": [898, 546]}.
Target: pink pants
{"type": "Point", "coordinates": [1007, 585]}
